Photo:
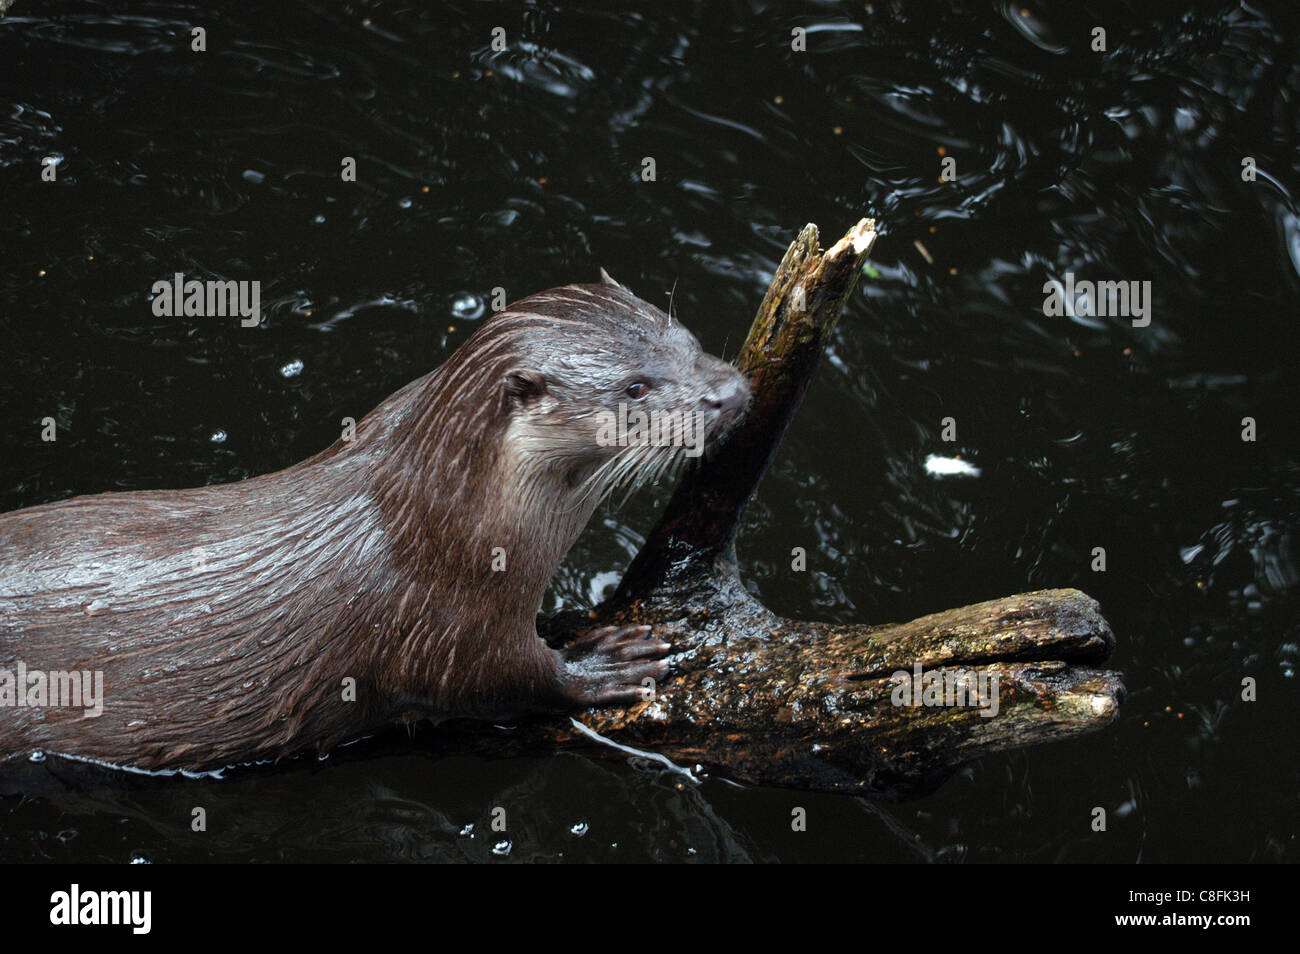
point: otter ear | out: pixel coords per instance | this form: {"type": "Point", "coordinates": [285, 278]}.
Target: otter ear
{"type": "Point", "coordinates": [606, 279]}
{"type": "Point", "coordinates": [524, 385]}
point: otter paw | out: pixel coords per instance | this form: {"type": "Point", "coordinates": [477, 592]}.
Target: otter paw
{"type": "Point", "coordinates": [607, 666]}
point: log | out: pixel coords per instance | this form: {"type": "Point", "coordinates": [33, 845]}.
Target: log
{"type": "Point", "coordinates": [764, 700]}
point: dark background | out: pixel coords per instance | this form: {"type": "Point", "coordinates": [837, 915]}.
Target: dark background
{"type": "Point", "coordinates": [521, 169]}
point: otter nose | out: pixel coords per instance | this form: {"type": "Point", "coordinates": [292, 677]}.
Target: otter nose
{"type": "Point", "coordinates": [727, 394]}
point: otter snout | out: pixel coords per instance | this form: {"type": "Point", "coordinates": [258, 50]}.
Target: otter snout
{"type": "Point", "coordinates": [726, 395]}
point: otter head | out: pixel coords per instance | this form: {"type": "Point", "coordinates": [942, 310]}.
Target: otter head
{"type": "Point", "coordinates": [603, 389]}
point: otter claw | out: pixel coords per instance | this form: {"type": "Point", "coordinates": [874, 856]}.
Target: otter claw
{"type": "Point", "coordinates": [607, 666]}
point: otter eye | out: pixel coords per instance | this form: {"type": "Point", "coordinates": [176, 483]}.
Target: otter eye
{"type": "Point", "coordinates": [637, 390]}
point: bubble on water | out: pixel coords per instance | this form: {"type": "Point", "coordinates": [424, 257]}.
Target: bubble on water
{"type": "Point", "coordinates": [468, 306]}
{"type": "Point", "coordinates": [949, 467]}
{"type": "Point", "coordinates": [319, 220]}
{"type": "Point", "coordinates": [404, 202]}
{"type": "Point", "coordinates": [580, 829]}
{"type": "Point", "coordinates": [253, 176]}
{"type": "Point", "coordinates": [291, 369]}
{"type": "Point", "coordinates": [218, 436]}
{"type": "Point", "coordinates": [502, 848]}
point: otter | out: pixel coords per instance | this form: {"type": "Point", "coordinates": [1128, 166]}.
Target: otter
{"type": "Point", "coordinates": [394, 576]}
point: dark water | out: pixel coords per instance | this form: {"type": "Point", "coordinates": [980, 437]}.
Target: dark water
{"type": "Point", "coordinates": [520, 169]}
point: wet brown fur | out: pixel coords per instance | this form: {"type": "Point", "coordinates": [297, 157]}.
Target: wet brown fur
{"type": "Point", "coordinates": [225, 618]}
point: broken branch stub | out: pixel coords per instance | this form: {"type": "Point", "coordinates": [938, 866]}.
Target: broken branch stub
{"type": "Point", "coordinates": [779, 357]}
